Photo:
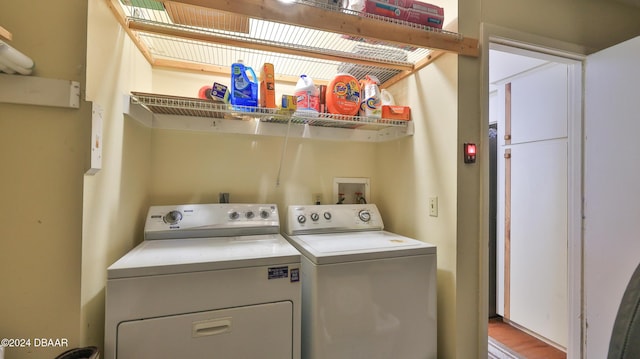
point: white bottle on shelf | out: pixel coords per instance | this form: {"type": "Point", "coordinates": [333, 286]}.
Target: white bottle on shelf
{"type": "Point", "coordinates": [307, 97]}
{"type": "Point", "coordinates": [387, 98]}
{"type": "Point", "coordinates": [12, 60]}
{"type": "Point", "coordinates": [372, 104]}
{"type": "Point", "coordinates": [355, 5]}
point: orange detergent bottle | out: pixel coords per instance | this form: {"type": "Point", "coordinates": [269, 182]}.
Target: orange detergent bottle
{"type": "Point", "coordinates": [343, 95]}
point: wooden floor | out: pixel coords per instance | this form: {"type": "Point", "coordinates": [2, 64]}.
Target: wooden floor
{"type": "Point", "coordinates": [522, 343]}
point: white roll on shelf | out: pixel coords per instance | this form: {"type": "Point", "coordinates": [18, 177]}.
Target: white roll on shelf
{"type": "Point", "coordinates": [13, 61]}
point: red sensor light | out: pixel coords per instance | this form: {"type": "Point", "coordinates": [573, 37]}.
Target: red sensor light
{"type": "Point", "coordinates": [469, 153]}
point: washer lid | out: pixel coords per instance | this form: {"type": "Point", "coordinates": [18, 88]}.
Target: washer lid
{"type": "Point", "coordinates": [358, 246]}
{"type": "Point", "coordinates": [172, 256]}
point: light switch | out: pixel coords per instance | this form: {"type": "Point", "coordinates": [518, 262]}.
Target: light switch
{"type": "Point", "coordinates": [433, 206]}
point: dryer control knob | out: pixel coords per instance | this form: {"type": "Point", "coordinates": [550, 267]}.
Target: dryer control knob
{"type": "Point", "coordinates": [234, 215]}
{"type": "Point", "coordinates": [172, 217]}
{"type": "Point", "coordinates": [301, 218]}
{"type": "Point", "coordinates": [315, 217]}
{"type": "Point", "coordinates": [364, 215]}
{"type": "Point", "coordinates": [264, 214]}
{"type": "Point", "coordinates": [250, 215]}
{"type": "Point", "coordinates": [327, 216]}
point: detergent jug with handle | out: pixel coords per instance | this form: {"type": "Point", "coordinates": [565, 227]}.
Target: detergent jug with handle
{"type": "Point", "coordinates": [307, 97]}
{"type": "Point", "coordinates": [387, 98]}
{"type": "Point", "coordinates": [244, 90]}
{"type": "Point", "coordinates": [371, 103]}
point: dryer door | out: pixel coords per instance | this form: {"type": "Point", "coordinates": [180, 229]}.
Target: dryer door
{"type": "Point", "coordinates": [257, 331]}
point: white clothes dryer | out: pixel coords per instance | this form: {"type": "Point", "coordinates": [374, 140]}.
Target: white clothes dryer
{"type": "Point", "coordinates": [366, 293]}
{"type": "Point", "coordinates": [208, 281]}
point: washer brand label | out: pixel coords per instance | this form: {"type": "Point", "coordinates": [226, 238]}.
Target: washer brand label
{"type": "Point", "coordinates": [295, 274]}
{"type": "Point", "coordinates": [278, 272]}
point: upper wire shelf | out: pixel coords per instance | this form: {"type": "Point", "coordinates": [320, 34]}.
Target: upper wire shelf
{"type": "Point", "coordinates": [176, 31]}
{"type": "Point", "coordinates": [193, 107]}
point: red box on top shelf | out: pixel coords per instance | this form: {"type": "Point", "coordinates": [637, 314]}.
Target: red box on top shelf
{"type": "Point", "coordinates": [402, 3]}
{"type": "Point", "coordinates": [425, 18]}
{"type": "Point", "coordinates": [407, 10]}
{"type": "Point", "coordinates": [426, 7]}
{"type": "Point", "coordinates": [386, 9]}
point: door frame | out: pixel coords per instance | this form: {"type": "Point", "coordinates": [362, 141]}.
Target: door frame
{"type": "Point", "coordinates": [533, 45]}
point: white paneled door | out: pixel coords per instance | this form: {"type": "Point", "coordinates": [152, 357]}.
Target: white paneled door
{"type": "Point", "coordinates": [612, 198]}
{"type": "Point", "coordinates": [533, 200]}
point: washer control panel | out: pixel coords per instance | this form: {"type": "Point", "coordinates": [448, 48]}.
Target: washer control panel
{"type": "Point", "coordinates": [210, 220]}
{"type": "Point", "coordinates": [333, 218]}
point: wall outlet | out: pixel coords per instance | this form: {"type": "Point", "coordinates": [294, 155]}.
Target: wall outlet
{"type": "Point", "coordinates": [433, 206]}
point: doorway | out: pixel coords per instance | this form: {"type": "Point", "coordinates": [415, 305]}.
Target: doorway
{"type": "Point", "coordinates": [534, 197]}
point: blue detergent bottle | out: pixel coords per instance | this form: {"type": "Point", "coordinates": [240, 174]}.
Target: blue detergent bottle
{"type": "Point", "coordinates": [244, 90]}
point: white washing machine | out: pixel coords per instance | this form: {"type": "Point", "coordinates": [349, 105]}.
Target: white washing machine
{"type": "Point", "coordinates": [366, 293]}
{"type": "Point", "coordinates": [208, 281]}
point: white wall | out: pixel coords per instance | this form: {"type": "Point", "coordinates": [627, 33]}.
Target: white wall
{"type": "Point", "coordinates": [45, 152]}
{"type": "Point", "coordinates": [115, 199]}
{"type": "Point", "coordinates": [612, 174]}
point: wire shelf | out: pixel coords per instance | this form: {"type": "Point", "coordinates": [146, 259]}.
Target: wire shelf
{"type": "Point", "coordinates": [193, 107]}
{"type": "Point", "coordinates": [175, 31]}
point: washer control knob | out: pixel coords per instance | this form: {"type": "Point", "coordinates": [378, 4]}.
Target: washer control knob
{"type": "Point", "coordinates": [364, 215]}
{"type": "Point", "coordinates": [234, 215]}
{"type": "Point", "coordinates": [302, 218]}
{"type": "Point", "coordinates": [327, 216]}
{"type": "Point", "coordinates": [264, 214]}
{"type": "Point", "coordinates": [315, 217]}
{"type": "Point", "coordinates": [250, 215]}
{"type": "Point", "coordinates": [172, 217]}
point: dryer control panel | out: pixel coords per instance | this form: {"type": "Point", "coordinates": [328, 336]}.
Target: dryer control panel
{"type": "Point", "coordinates": [333, 218]}
{"type": "Point", "coordinates": [211, 220]}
